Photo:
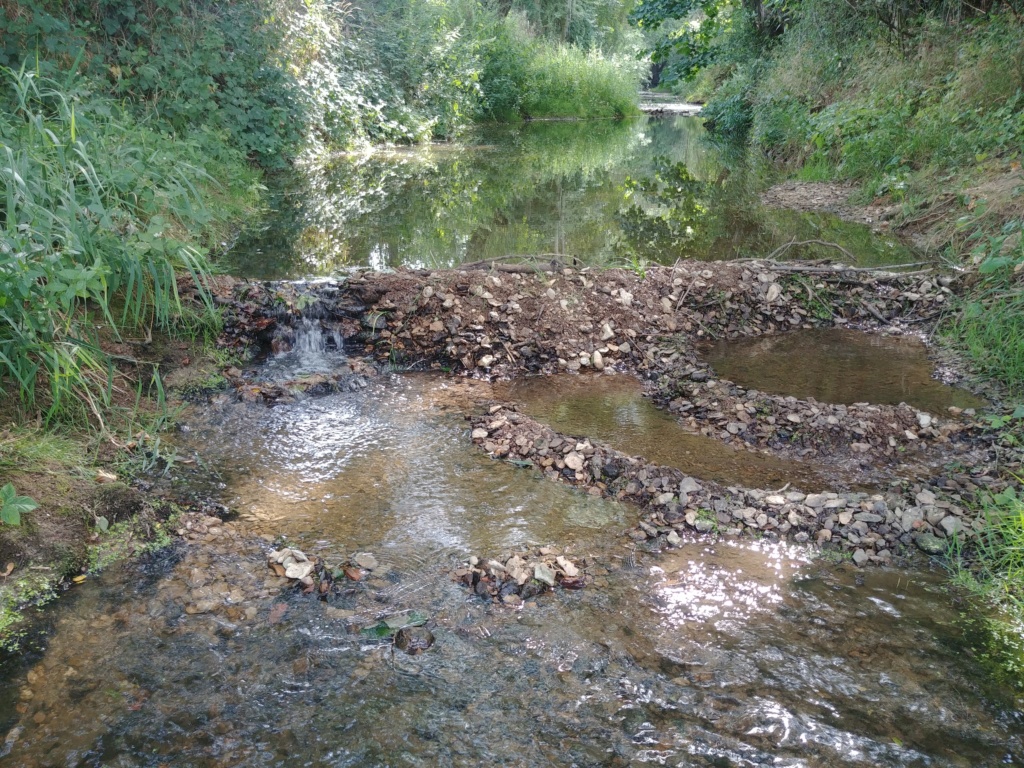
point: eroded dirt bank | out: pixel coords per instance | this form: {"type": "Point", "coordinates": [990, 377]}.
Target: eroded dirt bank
{"type": "Point", "coordinates": [510, 321]}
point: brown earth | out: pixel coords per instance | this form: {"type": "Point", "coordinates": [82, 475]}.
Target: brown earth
{"type": "Point", "coordinates": [830, 197]}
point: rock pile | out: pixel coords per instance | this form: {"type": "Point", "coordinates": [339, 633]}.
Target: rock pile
{"type": "Point", "coordinates": [519, 576]}
{"type": "Point", "coordinates": [804, 427]}
{"type": "Point", "coordinates": [499, 323]}
{"type": "Point", "coordinates": [869, 527]}
{"type": "Point", "coordinates": [508, 321]}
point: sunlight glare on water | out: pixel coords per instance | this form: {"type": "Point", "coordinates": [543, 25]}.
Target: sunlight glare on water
{"type": "Point", "coordinates": [716, 653]}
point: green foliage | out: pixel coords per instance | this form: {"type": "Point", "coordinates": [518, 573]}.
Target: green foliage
{"type": "Point", "coordinates": [994, 571]}
{"type": "Point", "coordinates": [728, 113]}
{"type": "Point", "coordinates": [99, 211]}
{"type": "Point", "coordinates": [563, 81]}
{"type": "Point", "coordinates": [989, 323]}
{"type": "Point", "coordinates": [13, 506]}
{"type": "Point", "coordinates": [1001, 544]}
{"type": "Point", "coordinates": [197, 62]}
{"type": "Point", "coordinates": [525, 76]}
{"type": "Point", "coordinates": [587, 24]}
{"type": "Point", "coordinates": [706, 31]}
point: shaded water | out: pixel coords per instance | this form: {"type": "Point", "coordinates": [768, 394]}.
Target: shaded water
{"type": "Point", "coordinates": [836, 365]}
{"type": "Point", "coordinates": [612, 409]}
{"type": "Point", "coordinates": [650, 189]}
{"type": "Point", "coordinates": [716, 654]}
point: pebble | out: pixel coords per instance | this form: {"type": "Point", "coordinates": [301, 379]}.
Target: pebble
{"type": "Point", "coordinates": [366, 560]}
{"type": "Point", "coordinates": [544, 574]}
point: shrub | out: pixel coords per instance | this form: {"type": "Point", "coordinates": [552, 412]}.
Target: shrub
{"type": "Point", "coordinates": [564, 81]}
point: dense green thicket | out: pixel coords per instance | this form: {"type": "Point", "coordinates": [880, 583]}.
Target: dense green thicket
{"type": "Point", "coordinates": [273, 75]}
{"type": "Point", "coordinates": [98, 209]}
{"type": "Point", "coordinates": [893, 95]}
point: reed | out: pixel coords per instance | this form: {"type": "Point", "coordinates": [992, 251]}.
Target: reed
{"type": "Point", "coordinates": [96, 221]}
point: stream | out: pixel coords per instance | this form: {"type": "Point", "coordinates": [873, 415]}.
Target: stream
{"type": "Point", "coordinates": [596, 193]}
{"type": "Point", "coordinates": [718, 652]}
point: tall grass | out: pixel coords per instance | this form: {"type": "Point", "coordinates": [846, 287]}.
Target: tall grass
{"type": "Point", "coordinates": [98, 216]}
{"type": "Point", "coordinates": [995, 574]}
{"type": "Point", "coordinates": [524, 76]}
{"type": "Point", "coordinates": [988, 324]}
{"type": "Point", "coordinates": [990, 329]}
{"type": "Point", "coordinates": [565, 81]}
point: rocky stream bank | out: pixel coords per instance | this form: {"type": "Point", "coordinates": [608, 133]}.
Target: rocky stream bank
{"type": "Point", "coordinates": [505, 321]}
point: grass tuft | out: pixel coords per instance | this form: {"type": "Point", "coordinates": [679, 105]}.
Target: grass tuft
{"type": "Point", "coordinates": [99, 213]}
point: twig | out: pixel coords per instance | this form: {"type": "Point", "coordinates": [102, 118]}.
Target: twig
{"type": "Point", "coordinates": [685, 294]}
{"type": "Point", "coordinates": [870, 308]}
{"type": "Point", "coordinates": [555, 259]}
{"type": "Point", "coordinates": [826, 243]}
{"type": "Point", "coordinates": [814, 268]}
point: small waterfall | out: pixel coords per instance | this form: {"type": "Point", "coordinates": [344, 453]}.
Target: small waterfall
{"type": "Point", "coordinates": [306, 348]}
{"type": "Point", "coordinates": [309, 339]}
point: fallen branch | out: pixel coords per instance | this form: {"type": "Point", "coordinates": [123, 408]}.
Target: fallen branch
{"type": "Point", "coordinates": [785, 247]}
{"type": "Point", "coordinates": [877, 315]}
{"type": "Point", "coordinates": [498, 262]}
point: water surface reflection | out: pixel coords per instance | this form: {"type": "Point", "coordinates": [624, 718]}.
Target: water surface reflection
{"type": "Point", "coordinates": [602, 192]}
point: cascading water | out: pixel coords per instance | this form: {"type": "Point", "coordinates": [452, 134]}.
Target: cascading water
{"type": "Point", "coordinates": [304, 349]}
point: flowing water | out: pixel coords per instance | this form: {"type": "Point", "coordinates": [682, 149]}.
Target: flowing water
{"type": "Point", "coordinates": [716, 653]}
{"type": "Point", "coordinates": [596, 192]}
{"type": "Point", "coordinates": [836, 365]}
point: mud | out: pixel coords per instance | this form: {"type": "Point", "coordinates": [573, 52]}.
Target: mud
{"type": "Point", "coordinates": [828, 197]}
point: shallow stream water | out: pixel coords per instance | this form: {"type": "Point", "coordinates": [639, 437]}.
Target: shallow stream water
{"type": "Point", "coordinates": [835, 365]}
{"type": "Point", "coordinates": [720, 653]}
{"type": "Point", "coordinates": [717, 653]}
{"type": "Point", "coordinates": [611, 408]}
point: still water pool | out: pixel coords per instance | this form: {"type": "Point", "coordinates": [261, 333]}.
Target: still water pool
{"type": "Point", "coordinates": [595, 193]}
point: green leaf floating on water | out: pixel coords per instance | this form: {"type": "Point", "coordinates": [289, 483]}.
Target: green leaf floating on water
{"type": "Point", "coordinates": [387, 627]}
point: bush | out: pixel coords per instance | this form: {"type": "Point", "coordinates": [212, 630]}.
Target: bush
{"type": "Point", "coordinates": [729, 112]}
{"type": "Point", "coordinates": [193, 62]}
{"type": "Point", "coordinates": [564, 81]}
{"type": "Point", "coordinates": [505, 75]}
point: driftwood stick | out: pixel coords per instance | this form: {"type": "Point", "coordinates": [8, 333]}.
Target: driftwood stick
{"type": "Point", "coordinates": [820, 266]}
{"type": "Point", "coordinates": [840, 269]}
{"type": "Point", "coordinates": [871, 308]}
{"type": "Point", "coordinates": [555, 260]}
